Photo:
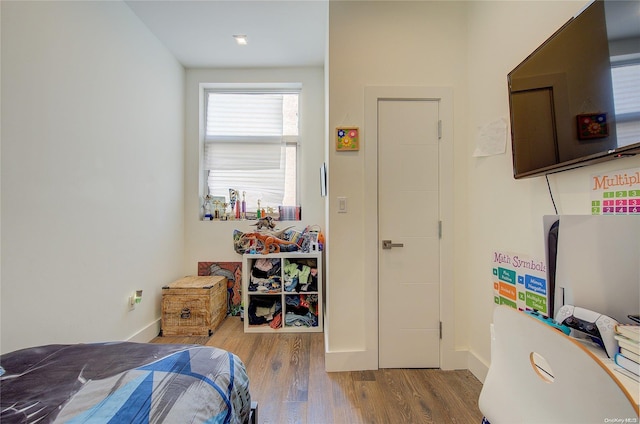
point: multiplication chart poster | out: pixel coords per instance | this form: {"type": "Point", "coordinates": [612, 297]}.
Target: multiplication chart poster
{"type": "Point", "coordinates": [616, 193]}
{"type": "Point", "coordinates": [520, 282]}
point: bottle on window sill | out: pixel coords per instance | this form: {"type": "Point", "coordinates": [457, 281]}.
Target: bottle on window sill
{"type": "Point", "coordinates": [244, 205]}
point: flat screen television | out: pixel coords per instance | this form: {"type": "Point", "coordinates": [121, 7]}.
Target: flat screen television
{"type": "Point", "coordinates": [576, 99]}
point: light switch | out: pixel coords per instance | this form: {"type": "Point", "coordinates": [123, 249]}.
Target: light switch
{"type": "Point", "coordinates": [342, 205]}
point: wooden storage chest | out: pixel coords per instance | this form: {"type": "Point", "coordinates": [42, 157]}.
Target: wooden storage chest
{"type": "Point", "coordinates": [194, 306]}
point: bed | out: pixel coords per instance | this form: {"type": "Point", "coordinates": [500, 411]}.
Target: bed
{"type": "Point", "coordinates": [124, 382]}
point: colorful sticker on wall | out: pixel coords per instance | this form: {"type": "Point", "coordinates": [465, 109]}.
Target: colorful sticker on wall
{"type": "Point", "coordinates": [233, 272]}
{"type": "Point", "coordinates": [592, 125]}
{"type": "Point", "coordinates": [520, 282]}
{"type": "Point", "coordinates": [347, 138]}
{"type": "Point", "coordinates": [616, 193]}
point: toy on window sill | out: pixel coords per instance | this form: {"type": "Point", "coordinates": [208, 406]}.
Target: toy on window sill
{"type": "Point", "coordinates": [233, 198]}
{"type": "Point", "coordinates": [207, 216]}
{"type": "Point", "coordinates": [265, 222]}
{"type": "Point", "coordinates": [243, 212]}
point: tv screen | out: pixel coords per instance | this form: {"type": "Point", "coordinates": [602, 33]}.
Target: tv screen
{"type": "Point", "coordinates": [576, 99]}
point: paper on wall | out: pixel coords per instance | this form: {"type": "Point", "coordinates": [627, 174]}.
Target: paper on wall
{"type": "Point", "coordinates": [491, 139]}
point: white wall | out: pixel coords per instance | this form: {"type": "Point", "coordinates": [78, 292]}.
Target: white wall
{"type": "Point", "coordinates": [501, 34]}
{"type": "Point", "coordinates": [92, 172]}
{"type": "Point", "coordinates": [470, 46]}
{"type": "Point", "coordinates": [385, 44]}
{"type": "Point", "coordinates": [207, 241]}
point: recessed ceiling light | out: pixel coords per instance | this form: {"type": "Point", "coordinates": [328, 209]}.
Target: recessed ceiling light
{"type": "Point", "coordinates": [241, 39]}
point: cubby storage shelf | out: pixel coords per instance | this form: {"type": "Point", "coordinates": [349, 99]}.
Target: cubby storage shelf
{"type": "Point", "coordinates": [282, 292]}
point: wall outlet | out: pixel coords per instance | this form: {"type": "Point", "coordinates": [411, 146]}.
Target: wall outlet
{"type": "Point", "coordinates": [134, 299]}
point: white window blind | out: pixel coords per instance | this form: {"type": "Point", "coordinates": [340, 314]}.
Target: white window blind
{"type": "Point", "coordinates": [250, 145]}
{"type": "Point", "coordinates": [626, 92]}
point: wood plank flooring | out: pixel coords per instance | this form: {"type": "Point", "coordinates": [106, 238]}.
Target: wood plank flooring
{"type": "Point", "coordinates": [289, 382]}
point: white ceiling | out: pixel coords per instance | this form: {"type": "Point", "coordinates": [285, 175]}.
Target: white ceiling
{"type": "Point", "coordinates": [200, 33]}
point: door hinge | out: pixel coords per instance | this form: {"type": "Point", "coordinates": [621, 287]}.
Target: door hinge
{"type": "Point", "coordinates": [440, 330]}
{"type": "Point", "coordinates": [440, 229]}
{"type": "Point", "coordinates": [439, 129]}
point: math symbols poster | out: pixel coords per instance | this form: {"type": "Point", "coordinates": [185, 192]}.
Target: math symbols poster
{"type": "Point", "coordinates": [520, 282]}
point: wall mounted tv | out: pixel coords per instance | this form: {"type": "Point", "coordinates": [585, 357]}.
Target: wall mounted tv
{"type": "Point", "coordinates": [576, 99]}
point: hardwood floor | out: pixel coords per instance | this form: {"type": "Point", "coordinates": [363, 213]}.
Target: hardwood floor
{"type": "Point", "coordinates": [290, 384]}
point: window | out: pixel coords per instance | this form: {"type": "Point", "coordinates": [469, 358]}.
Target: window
{"type": "Point", "coordinates": [626, 92]}
{"type": "Point", "coordinates": [250, 145]}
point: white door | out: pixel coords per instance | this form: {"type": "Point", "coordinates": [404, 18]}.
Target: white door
{"type": "Point", "coordinates": [408, 213]}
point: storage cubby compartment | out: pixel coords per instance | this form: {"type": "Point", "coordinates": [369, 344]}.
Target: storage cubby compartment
{"type": "Point", "coordinates": [282, 292]}
{"type": "Point", "coordinates": [265, 275]}
{"type": "Point", "coordinates": [300, 275]}
{"type": "Point", "coordinates": [264, 310]}
{"type": "Point", "coordinates": [301, 310]}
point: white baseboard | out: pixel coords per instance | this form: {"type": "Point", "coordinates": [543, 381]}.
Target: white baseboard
{"type": "Point", "coordinates": [477, 367]}
{"type": "Point", "coordinates": [148, 333]}
{"type": "Point", "coordinates": [356, 360]}
{"type": "Point", "coordinates": [361, 360]}
{"type": "Point", "coordinates": [351, 360]}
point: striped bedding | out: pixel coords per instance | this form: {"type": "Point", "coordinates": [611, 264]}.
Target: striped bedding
{"type": "Point", "coordinates": [123, 382]}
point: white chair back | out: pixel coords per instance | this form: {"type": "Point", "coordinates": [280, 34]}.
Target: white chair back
{"type": "Point", "coordinates": [539, 375]}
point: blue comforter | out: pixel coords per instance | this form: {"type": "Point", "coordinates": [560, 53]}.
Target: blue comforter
{"type": "Point", "coordinates": [123, 383]}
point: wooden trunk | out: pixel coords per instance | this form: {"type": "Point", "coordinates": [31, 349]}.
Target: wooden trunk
{"type": "Point", "coordinates": [194, 306]}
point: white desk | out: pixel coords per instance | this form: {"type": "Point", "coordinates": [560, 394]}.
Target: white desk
{"type": "Point", "coordinates": [539, 375]}
{"type": "Point", "coordinates": [629, 384]}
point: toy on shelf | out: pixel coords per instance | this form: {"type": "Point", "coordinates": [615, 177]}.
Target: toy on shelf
{"type": "Point", "coordinates": [266, 239]}
{"type": "Point", "coordinates": [270, 244]}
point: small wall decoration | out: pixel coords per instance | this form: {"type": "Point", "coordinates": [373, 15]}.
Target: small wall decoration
{"type": "Point", "coordinates": [347, 139]}
{"type": "Point", "coordinates": [592, 125]}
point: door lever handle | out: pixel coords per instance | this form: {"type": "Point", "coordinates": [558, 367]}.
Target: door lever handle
{"type": "Point", "coordinates": [388, 244]}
